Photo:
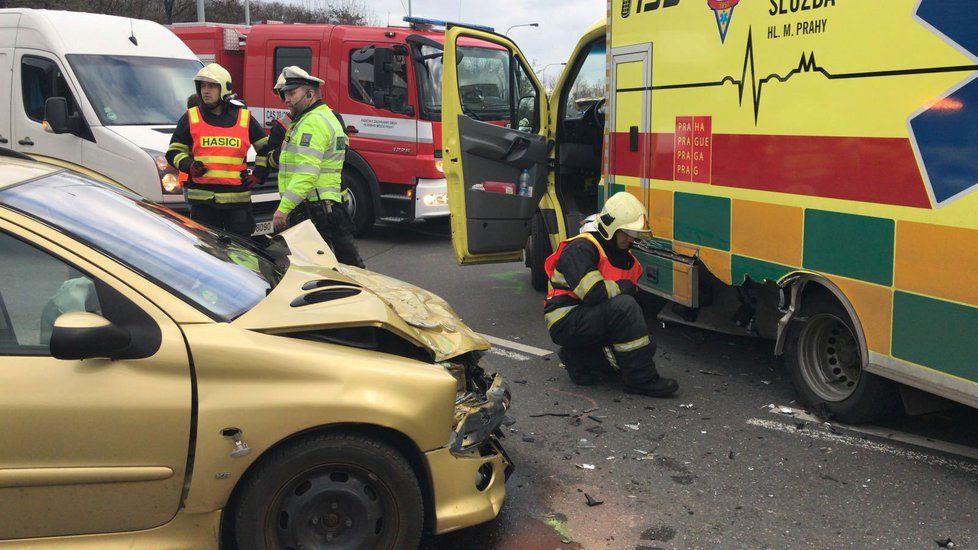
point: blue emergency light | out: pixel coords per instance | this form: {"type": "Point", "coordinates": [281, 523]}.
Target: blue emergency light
{"type": "Point", "coordinates": [440, 23]}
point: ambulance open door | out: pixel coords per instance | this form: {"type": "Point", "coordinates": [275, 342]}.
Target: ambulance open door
{"type": "Point", "coordinates": [494, 126]}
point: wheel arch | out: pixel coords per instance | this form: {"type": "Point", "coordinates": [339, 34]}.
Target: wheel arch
{"type": "Point", "coordinates": [800, 287]}
{"type": "Point", "coordinates": [401, 442]}
{"type": "Point", "coordinates": [356, 161]}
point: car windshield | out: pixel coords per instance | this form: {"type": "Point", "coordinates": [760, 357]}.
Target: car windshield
{"type": "Point", "coordinates": [483, 87]}
{"type": "Point", "coordinates": [130, 90]}
{"type": "Point", "coordinates": [219, 274]}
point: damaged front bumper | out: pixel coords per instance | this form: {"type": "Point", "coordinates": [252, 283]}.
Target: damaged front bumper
{"type": "Point", "coordinates": [469, 474]}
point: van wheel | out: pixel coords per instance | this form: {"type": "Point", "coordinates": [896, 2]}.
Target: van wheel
{"type": "Point", "coordinates": [339, 490]}
{"type": "Point", "coordinates": [358, 201]}
{"type": "Point", "coordinates": [824, 362]}
{"type": "Point", "coordinates": [538, 252]}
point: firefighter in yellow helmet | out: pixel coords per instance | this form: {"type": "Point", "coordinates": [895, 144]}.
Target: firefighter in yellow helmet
{"type": "Point", "coordinates": [210, 145]}
{"type": "Point", "coordinates": [310, 166]}
{"type": "Point", "coordinates": [591, 311]}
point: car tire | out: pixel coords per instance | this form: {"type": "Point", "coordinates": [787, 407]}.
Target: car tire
{"type": "Point", "coordinates": [825, 365]}
{"type": "Point", "coordinates": [539, 251]}
{"type": "Point", "coordinates": [359, 202]}
{"type": "Point", "coordinates": [342, 490]}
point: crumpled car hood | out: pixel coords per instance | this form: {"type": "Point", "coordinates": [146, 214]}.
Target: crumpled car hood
{"type": "Point", "coordinates": [318, 292]}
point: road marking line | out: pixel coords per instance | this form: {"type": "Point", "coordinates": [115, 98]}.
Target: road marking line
{"type": "Point", "coordinates": [539, 352]}
{"type": "Point", "coordinates": [883, 433]}
{"type": "Point", "coordinates": [814, 433]}
{"type": "Point", "coordinates": [509, 354]}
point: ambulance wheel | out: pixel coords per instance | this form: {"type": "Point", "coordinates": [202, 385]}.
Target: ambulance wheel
{"type": "Point", "coordinates": [358, 202]}
{"type": "Point", "coordinates": [539, 250]}
{"type": "Point", "coordinates": [825, 364]}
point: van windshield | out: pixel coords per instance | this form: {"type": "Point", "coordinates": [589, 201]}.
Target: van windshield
{"type": "Point", "coordinates": [131, 90]}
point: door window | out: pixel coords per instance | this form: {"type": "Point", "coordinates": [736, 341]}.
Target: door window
{"type": "Point", "coordinates": [589, 83]}
{"type": "Point", "coordinates": [42, 79]}
{"type": "Point", "coordinates": [288, 56]}
{"type": "Point", "coordinates": [493, 85]}
{"type": "Point", "coordinates": [36, 288]}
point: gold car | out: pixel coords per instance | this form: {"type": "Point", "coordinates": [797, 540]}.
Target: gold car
{"type": "Point", "coordinates": [166, 386]}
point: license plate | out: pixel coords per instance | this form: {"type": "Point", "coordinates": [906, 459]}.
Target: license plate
{"type": "Point", "coordinates": [263, 228]}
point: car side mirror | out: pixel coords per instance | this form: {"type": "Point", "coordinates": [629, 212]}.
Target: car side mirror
{"type": "Point", "coordinates": [56, 115]}
{"type": "Point", "coordinates": [80, 335]}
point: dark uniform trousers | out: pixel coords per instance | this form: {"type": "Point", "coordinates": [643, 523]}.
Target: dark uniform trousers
{"type": "Point", "coordinates": [239, 220]}
{"type": "Point", "coordinates": [586, 330]}
{"type": "Point", "coordinates": [334, 225]}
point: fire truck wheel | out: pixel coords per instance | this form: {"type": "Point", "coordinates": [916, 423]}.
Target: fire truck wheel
{"type": "Point", "coordinates": [824, 361]}
{"type": "Point", "coordinates": [359, 202]}
{"type": "Point", "coordinates": [537, 253]}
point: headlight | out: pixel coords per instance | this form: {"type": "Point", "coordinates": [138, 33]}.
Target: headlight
{"type": "Point", "coordinates": [440, 166]}
{"type": "Point", "coordinates": [169, 176]}
{"type": "Point", "coordinates": [435, 199]}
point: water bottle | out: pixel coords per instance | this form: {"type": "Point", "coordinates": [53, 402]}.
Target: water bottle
{"type": "Point", "coordinates": [526, 190]}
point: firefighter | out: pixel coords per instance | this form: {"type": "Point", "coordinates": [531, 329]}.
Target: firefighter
{"type": "Point", "coordinates": [591, 311]}
{"type": "Point", "coordinates": [210, 145]}
{"type": "Point", "coordinates": [310, 166]}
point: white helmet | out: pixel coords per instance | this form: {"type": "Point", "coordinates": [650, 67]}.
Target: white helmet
{"type": "Point", "coordinates": [215, 74]}
{"type": "Point", "coordinates": [292, 77]}
{"type": "Point", "coordinates": [625, 212]}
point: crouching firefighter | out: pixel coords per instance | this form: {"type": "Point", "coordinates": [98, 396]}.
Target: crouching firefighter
{"type": "Point", "coordinates": [210, 145]}
{"type": "Point", "coordinates": [591, 311]}
{"type": "Point", "coordinates": [310, 166]}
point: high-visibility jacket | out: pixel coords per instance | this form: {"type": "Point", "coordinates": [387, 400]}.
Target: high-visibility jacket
{"type": "Point", "coordinates": [311, 161]}
{"type": "Point", "coordinates": [224, 152]}
{"type": "Point", "coordinates": [606, 271]}
{"type": "Point", "coordinates": [276, 136]}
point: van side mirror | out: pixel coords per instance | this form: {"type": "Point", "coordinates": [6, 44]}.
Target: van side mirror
{"type": "Point", "coordinates": [56, 115]}
{"type": "Point", "coordinates": [80, 335]}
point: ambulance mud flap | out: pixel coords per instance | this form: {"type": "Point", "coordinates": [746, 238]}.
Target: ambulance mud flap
{"type": "Point", "coordinates": [480, 418]}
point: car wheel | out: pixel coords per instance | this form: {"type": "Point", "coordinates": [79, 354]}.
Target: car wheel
{"type": "Point", "coordinates": [824, 361]}
{"type": "Point", "coordinates": [358, 202]}
{"type": "Point", "coordinates": [330, 491]}
{"type": "Point", "coordinates": [539, 250]}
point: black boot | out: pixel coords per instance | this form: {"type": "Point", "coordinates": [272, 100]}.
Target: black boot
{"type": "Point", "coordinates": [660, 387]}
{"type": "Point", "coordinates": [579, 374]}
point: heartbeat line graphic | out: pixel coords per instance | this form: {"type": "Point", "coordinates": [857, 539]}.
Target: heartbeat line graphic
{"type": "Point", "coordinates": [806, 64]}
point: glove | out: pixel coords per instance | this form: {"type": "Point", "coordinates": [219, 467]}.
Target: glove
{"type": "Point", "coordinates": [627, 287]}
{"type": "Point", "coordinates": [197, 169]}
{"type": "Point", "coordinates": [251, 179]}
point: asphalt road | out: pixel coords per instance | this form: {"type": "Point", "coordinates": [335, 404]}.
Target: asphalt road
{"type": "Point", "coordinates": [713, 467]}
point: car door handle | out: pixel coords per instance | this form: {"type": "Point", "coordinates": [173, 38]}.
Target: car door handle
{"type": "Point", "coordinates": [26, 141]}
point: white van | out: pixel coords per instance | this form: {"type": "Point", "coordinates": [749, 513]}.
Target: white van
{"type": "Point", "coordinates": [110, 89]}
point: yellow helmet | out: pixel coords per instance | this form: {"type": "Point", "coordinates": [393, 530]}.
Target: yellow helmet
{"type": "Point", "coordinates": [623, 211]}
{"type": "Point", "coordinates": [215, 74]}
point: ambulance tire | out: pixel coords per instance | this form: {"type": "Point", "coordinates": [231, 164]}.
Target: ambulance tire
{"type": "Point", "coordinates": [359, 203]}
{"type": "Point", "coordinates": [538, 251]}
{"type": "Point", "coordinates": [822, 356]}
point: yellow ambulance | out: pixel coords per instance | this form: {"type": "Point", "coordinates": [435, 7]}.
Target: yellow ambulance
{"type": "Point", "coordinates": [810, 168]}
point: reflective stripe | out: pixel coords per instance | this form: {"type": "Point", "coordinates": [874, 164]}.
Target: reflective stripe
{"type": "Point", "coordinates": [334, 156]}
{"type": "Point", "coordinates": [194, 115]}
{"type": "Point", "coordinates": [199, 194]}
{"type": "Point", "coordinates": [220, 160]}
{"type": "Point", "coordinates": [299, 169]}
{"type": "Point", "coordinates": [302, 150]}
{"type": "Point", "coordinates": [317, 193]}
{"type": "Point", "coordinates": [553, 316]}
{"type": "Point", "coordinates": [179, 157]}
{"type": "Point", "coordinates": [177, 146]}
{"type": "Point", "coordinates": [229, 198]}
{"type": "Point", "coordinates": [610, 356]}
{"type": "Point", "coordinates": [261, 161]}
{"type": "Point", "coordinates": [220, 174]}
{"type": "Point", "coordinates": [289, 195]}
{"type": "Point", "coordinates": [632, 345]}
{"type": "Point", "coordinates": [258, 144]}
{"type": "Point", "coordinates": [558, 278]}
{"type": "Point", "coordinates": [243, 118]}
{"type": "Point", "coordinates": [612, 288]}
{"type": "Point", "coordinates": [587, 281]}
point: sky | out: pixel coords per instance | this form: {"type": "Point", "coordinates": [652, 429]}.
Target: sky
{"type": "Point", "coordinates": [561, 22]}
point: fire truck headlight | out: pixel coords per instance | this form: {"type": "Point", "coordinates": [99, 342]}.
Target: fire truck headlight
{"type": "Point", "coordinates": [435, 199]}
{"type": "Point", "coordinates": [439, 166]}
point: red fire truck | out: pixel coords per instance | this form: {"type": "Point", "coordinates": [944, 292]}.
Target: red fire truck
{"type": "Point", "coordinates": [386, 84]}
